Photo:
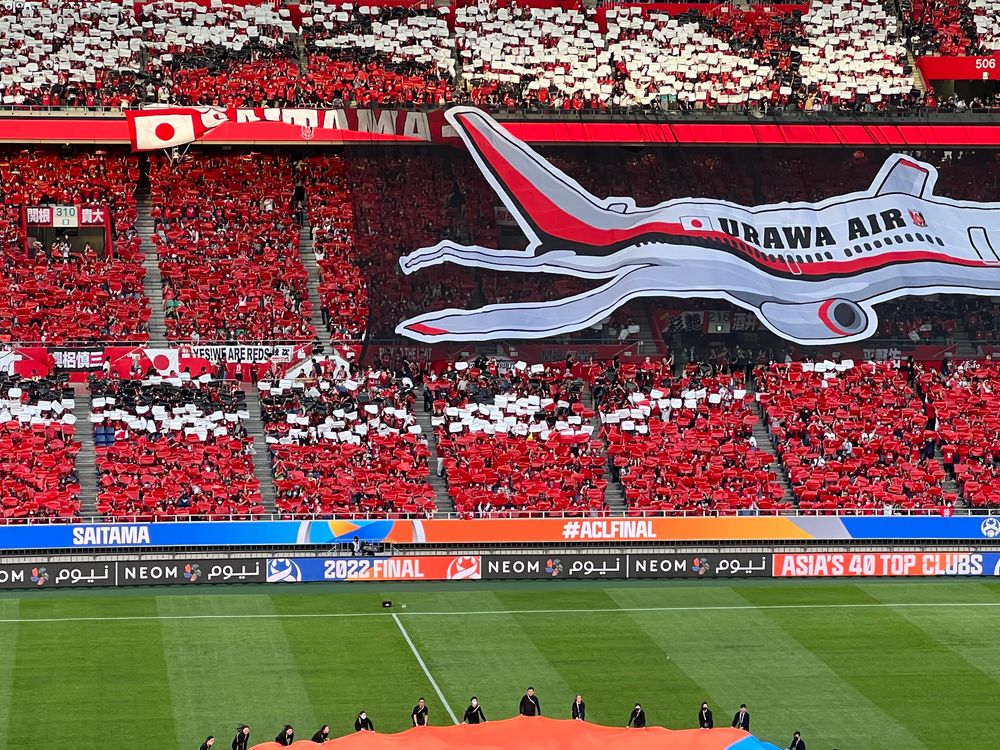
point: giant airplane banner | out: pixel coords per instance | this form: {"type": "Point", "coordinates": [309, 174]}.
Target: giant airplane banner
{"type": "Point", "coordinates": [812, 272]}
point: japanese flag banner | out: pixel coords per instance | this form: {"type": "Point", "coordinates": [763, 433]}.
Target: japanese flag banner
{"type": "Point", "coordinates": [157, 128]}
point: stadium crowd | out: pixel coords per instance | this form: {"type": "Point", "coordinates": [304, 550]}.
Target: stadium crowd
{"type": "Point", "coordinates": [828, 55]}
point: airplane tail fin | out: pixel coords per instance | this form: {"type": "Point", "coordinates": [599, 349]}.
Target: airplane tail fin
{"type": "Point", "coordinates": [815, 323]}
{"type": "Point", "coordinates": [904, 175]}
{"type": "Point", "coordinates": [546, 202]}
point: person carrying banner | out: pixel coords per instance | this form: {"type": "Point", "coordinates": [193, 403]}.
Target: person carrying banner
{"type": "Point", "coordinates": [529, 704]}
{"type": "Point", "coordinates": [363, 723]}
{"type": "Point", "coordinates": [474, 713]}
{"type": "Point", "coordinates": [578, 710]}
{"type": "Point", "coordinates": [242, 739]}
{"type": "Point", "coordinates": [322, 735]}
{"type": "Point", "coordinates": [286, 736]}
{"type": "Point", "coordinates": [207, 744]}
{"type": "Point", "coordinates": [742, 718]}
{"type": "Point", "coordinates": [705, 720]}
{"type": "Point", "coordinates": [419, 714]}
{"type": "Point", "coordinates": [637, 719]}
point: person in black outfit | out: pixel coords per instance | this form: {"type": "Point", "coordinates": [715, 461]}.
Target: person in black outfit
{"type": "Point", "coordinates": [705, 720]}
{"type": "Point", "coordinates": [797, 742]}
{"type": "Point", "coordinates": [529, 704]}
{"type": "Point", "coordinates": [637, 719]}
{"type": "Point", "coordinates": [742, 718]}
{"type": "Point", "coordinates": [474, 713]}
{"type": "Point", "coordinates": [363, 723]}
{"type": "Point", "coordinates": [419, 714]}
{"type": "Point", "coordinates": [242, 739]}
{"type": "Point", "coordinates": [579, 709]}
{"type": "Point", "coordinates": [286, 736]}
{"type": "Point", "coordinates": [322, 735]}
{"type": "Point", "coordinates": [207, 744]}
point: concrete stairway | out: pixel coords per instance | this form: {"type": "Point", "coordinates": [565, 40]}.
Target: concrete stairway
{"type": "Point", "coordinates": [615, 497]}
{"type": "Point", "coordinates": [309, 261]}
{"type": "Point", "coordinates": [441, 496]}
{"type": "Point", "coordinates": [765, 445]}
{"type": "Point", "coordinates": [949, 485]}
{"type": "Point", "coordinates": [152, 283]}
{"type": "Point", "coordinates": [648, 346]}
{"type": "Point", "coordinates": [613, 494]}
{"type": "Point", "coordinates": [86, 468]}
{"type": "Point", "coordinates": [261, 460]}
{"type": "Point", "coordinates": [918, 79]}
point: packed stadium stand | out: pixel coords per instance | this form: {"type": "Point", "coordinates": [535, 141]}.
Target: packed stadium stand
{"type": "Point", "coordinates": [684, 444]}
{"type": "Point", "coordinates": [517, 442]}
{"type": "Point", "coordinates": [236, 233]}
{"type": "Point", "coordinates": [363, 55]}
{"type": "Point", "coordinates": [38, 449]}
{"type": "Point", "coordinates": [346, 447]}
{"type": "Point", "coordinates": [343, 286]}
{"type": "Point", "coordinates": [827, 54]}
{"type": "Point", "coordinates": [71, 289]}
{"type": "Point", "coordinates": [852, 436]}
{"type": "Point", "coordinates": [966, 403]}
{"type": "Point", "coordinates": [228, 247]}
{"type": "Point", "coordinates": [399, 208]}
{"type": "Point", "coordinates": [169, 447]}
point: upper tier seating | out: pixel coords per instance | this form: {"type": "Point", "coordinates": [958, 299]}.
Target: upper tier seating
{"type": "Point", "coordinates": [852, 54]}
{"type": "Point", "coordinates": [171, 447]}
{"type": "Point", "coordinates": [69, 290]}
{"type": "Point", "coordinates": [839, 54]}
{"type": "Point", "coordinates": [362, 55]}
{"type": "Point", "coordinates": [223, 55]}
{"type": "Point", "coordinates": [683, 444]}
{"type": "Point", "coordinates": [518, 442]}
{"type": "Point", "coordinates": [58, 53]}
{"type": "Point", "coordinates": [517, 54]}
{"type": "Point", "coordinates": [940, 27]}
{"type": "Point", "coordinates": [229, 249]}
{"type": "Point", "coordinates": [38, 449]}
{"type": "Point", "coordinates": [717, 58]}
{"type": "Point", "coordinates": [343, 446]}
{"type": "Point", "coordinates": [852, 437]}
{"type": "Point", "coordinates": [987, 25]}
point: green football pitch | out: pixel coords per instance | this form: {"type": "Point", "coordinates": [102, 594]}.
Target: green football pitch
{"type": "Point", "coordinates": [884, 665]}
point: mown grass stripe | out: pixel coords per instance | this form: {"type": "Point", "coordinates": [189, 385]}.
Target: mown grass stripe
{"type": "Point", "coordinates": [230, 670]}
{"type": "Point", "coordinates": [896, 666]}
{"type": "Point", "coordinates": [746, 657]}
{"type": "Point", "coordinates": [8, 658]}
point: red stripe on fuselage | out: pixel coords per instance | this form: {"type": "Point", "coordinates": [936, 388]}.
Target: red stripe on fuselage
{"type": "Point", "coordinates": [553, 220]}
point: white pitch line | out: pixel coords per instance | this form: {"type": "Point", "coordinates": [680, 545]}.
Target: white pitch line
{"type": "Point", "coordinates": [423, 666]}
{"type": "Point", "coordinates": [502, 612]}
